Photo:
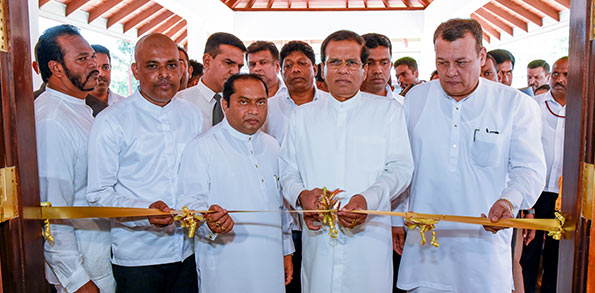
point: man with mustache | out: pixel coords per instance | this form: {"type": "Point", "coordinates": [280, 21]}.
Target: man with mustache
{"type": "Point", "coordinates": [134, 155]}
{"type": "Point", "coordinates": [237, 150]}
{"type": "Point", "coordinates": [477, 150]}
{"type": "Point", "coordinates": [538, 73]}
{"type": "Point", "coordinates": [356, 142]}
{"type": "Point", "coordinates": [78, 258]}
{"type": "Point", "coordinates": [263, 60]}
{"type": "Point", "coordinates": [553, 114]}
{"type": "Point", "coordinates": [379, 65]}
{"type": "Point", "coordinates": [101, 96]}
{"type": "Point", "coordinates": [223, 57]}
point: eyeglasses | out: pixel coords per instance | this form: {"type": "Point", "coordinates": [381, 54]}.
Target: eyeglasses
{"type": "Point", "coordinates": [352, 64]}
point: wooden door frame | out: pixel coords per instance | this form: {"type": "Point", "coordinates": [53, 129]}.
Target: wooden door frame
{"type": "Point", "coordinates": [22, 245]}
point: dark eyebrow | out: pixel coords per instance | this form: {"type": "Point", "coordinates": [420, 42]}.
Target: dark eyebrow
{"type": "Point", "coordinates": [230, 61]}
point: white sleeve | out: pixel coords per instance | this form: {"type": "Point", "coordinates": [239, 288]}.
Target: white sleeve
{"type": "Point", "coordinates": [287, 220]}
{"type": "Point", "coordinates": [56, 160]}
{"type": "Point", "coordinates": [290, 177]}
{"type": "Point", "coordinates": [527, 167]}
{"type": "Point", "coordinates": [398, 166]}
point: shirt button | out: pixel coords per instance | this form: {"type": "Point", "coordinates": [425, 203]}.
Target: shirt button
{"type": "Point", "coordinates": [256, 165]}
{"type": "Point", "coordinates": [262, 180]}
{"type": "Point", "coordinates": [249, 138]}
{"type": "Point", "coordinates": [455, 125]}
{"type": "Point", "coordinates": [457, 108]}
{"type": "Point", "coordinates": [252, 152]}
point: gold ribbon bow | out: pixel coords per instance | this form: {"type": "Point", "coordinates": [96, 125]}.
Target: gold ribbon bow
{"type": "Point", "coordinates": [424, 225]}
{"type": "Point", "coordinates": [330, 203]}
{"type": "Point", "coordinates": [188, 220]}
{"type": "Point", "coordinates": [46, 225]}
{"type": "Point", "coordinates": [557, 233]}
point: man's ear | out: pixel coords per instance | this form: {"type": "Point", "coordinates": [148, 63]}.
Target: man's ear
{"type": "Point", "coordinates": [224, 104]}
{"type": "Point", "coordinates": [135, 70]}
{"type": "Point", "coordinates": [56, 68]}
{"type": "Point", "coordinates": [206, 60]}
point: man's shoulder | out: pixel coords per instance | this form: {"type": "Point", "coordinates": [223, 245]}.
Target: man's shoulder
{"type": "Point", "coordinates": [191, 94]}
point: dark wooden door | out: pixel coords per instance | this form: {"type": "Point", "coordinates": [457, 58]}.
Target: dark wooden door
{"type": "Point", "coordinates": [21, 245]}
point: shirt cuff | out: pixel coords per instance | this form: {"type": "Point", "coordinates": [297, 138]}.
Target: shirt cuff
{"type": "Point", "coordinates": [288, 247]}
{"type": "Point", "coordinates": [77, 279]}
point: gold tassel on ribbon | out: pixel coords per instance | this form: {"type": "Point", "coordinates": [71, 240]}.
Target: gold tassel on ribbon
{"type": "Point", "coordinates": [424, 225]}
{"type": "Point", "coordinates": [45, 232]}
{"type": "Point", "coordinates": [330, 203]}
{"type": "Point", "coordinates": [188, 220]}
{"type": "Point", "coordinates": [559, 231]}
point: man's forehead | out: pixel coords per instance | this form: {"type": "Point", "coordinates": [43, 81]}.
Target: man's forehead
{"type": "Point", "coordinates": [228, 51]}
{"type": "Point", "coordinates": [259, 55]}
{"type": "Point", "coordinates": [75, 44]}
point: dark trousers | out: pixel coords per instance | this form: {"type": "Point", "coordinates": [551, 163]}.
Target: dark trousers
{"type": "Point", "coordinates": [396, 263]}
{"type": "Point", "coordinates": [179, 277]}
{"type": "Point", "coordinates": [542, 247]}
{"type": "Point", "coordinates": [296, 284]}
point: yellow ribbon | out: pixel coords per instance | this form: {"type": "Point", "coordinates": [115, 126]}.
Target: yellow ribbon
{"type": "Point", "coordinates": [559, 231]}
{"type": "Point", "coordinates": [46, 225]}
{"type": "Point", "coordinates": [329, 205]}
{"type": "Point", "coordinates": [424, 225]}
{"type": "Point", "coordinates": [189, 220]}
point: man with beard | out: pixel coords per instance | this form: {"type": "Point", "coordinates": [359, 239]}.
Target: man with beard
{"type": "Point", "coordinates": [477, 149]}
{"type": "Point", "coordinates": [101, 96]}
{"type": "Point", "coordinates": [553, 114]}
{"type": "Point", "coordinates": [134, 155]}
{"type": "Point", "coordinates": [258, 250]}
{"type": "Point", "coordinates": [355, 142]}
{"type": "Point", "coordinates": [185, 68]}
{"type": "Point", "coordinates": [263, 60]}
{"type": "Point", "coordinates": [78, 258]}
{"type": "Point", "coordinates": [379, 65]}
{"type": "Point", "coordinates": [223, 57]}
{"type": "Point", "coordinates": [538, 73]}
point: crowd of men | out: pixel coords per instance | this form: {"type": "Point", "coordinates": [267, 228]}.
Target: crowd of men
{"type": "Point", "coordinates": [209, 138]}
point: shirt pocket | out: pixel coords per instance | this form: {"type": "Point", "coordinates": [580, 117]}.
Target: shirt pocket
{"type": "Point", "coordinates": [486, 150]}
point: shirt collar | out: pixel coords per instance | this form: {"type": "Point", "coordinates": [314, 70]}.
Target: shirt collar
{"type": "Point", "coordinates": [288, 98]}
{"type": "Point", "coordinates": [352, 102]}
{"type": "Point", "coordinates": [206, 92]}
{"type": "Point", "coordinates": [549, 97]}
{"type": "Point", "coordinates": [235, 133]}
{"type": "Point", "coordinates": [477, 89]}
{"type": "Point", "coordinates": [144, 104]}
{"type": "Point", "coordinates": [65, 97]}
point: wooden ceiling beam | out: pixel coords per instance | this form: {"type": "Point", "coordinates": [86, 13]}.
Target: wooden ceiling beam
{"type": "Point", "coordinates": [565, 3]}
{"type": "Point", "coordinates": [74, 6]}
{"type": "Point", "coordinates": [231, 3]}
{"type": "Point", "coordinates": [424, 3]}
{"type": "Point", "coordinates": [385, 2]}
{"type": "Point", "coordinates": [235, 4]}
{"type": "Point", "coordinates": [101, 9]}
{"type": "Point", "coordinates": [250, 4]}
{"type": "Point", "coordinates": [493, 8]}
{"type": "Point", "coordinates": [308, 4]}
{"type": "Point", "coordinates": [544, 8]}
{"type": "Point", "coordinates": [154, 9]}
{"type": "Point", "coordinates": [270, 4]}
{"type": "Point", "coordinates": [333, 9]}
{"type": "Point", "coordinates": [181, 37]}
{"type": "Point", "coordinates": [365, 3]}
{"type": "Point", "coordinates": [43, 2]}
{"type": "Point", "coordinates": [407, 3]}
{"type": "Point", "coordinates": [153, 23]}
{"type": "Point", "coordinates": [126, 10]}
{"type": "Point", "coordinates": [520, 10]}
{"type": "Point", "coordinates": [486, 26]}
{"type": "Point", "coordinates": [494, 20]}
{"type": "Point", "coordinates": [175, 29]}
{"type": "Point", "coordinates": [486, 37]}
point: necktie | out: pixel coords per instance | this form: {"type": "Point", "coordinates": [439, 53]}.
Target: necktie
{"type": "Point", "coordinates": [217, 110]}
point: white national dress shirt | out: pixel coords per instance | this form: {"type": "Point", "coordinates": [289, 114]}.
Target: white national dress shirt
{"type": "Point", "coordinates": [468, 155]}
{"type": "Point", "coordinates": [134, 155]}
{"type": "Point", "coordinates": [552, 138]}
{"type": "Point", "coordinates": [238, 172]}
{"type": "Point", "coordinates": [81, 247]}
{"type": "Point", "coordinates": [113, 97]}
{"type": "Point", "coordinates": [203, 97]}
{"type": "Point", "coordinates": [360, 146]}
{"type": "Point", "coordinates": [393, 95]}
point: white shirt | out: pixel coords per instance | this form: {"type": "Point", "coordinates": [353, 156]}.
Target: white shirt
{"type": "Point", "coordinates": [113, 97]}
{"type": "Point", "coordinates": [552, 138]}
{"type": "Point", "coordinates": [280, 108]}
{"type": "Point", "coordinates": [238, 172]}
{"type": "Point", "coordinates": [393, 95]}
{"type": "Point", "coordinates": [203, 97]}
{"type": "Point", "coordinates": [467, 155]}
{"type": "Point", "coordinates": [134, 154]}
{"type": "Point", "coordinates": [81, 248]}
{"type": "Point", "coordinates": [359, 146]}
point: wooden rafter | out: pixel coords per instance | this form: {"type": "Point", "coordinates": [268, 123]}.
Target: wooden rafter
{"type": "Point", "coordinates": [270, 4]}
{"type": "Point", "coordinates": [235, 4]}
{"type": "Point", "coordinates": [165, 15]}
{"type": "Point", "coordinates": [74, 6]}
{"type": "Point", "coordinates": [346, 4]}
{"type": "Point", "coordinates": [333, 9]}
{"type": "Point", "coordinates": [486, 37]}
{"type": "Point", "coordinates": [232, 3]}
{"type": "Point", "coordinates": [127, 10]}
{"type": "Point", "coordinates": [101, 9]}
{"type": "Point", "coordinates": [407, 3]}
{"type": "Point", "coordinates": [424, 3]}
{"type": "Point", "coordinates": [544, 8]}
{"type": "Point", "coordinates": [250, 4]}
{"type": "Point", "coordinates": [155, 8]}
{"type": "Point", "coordinates": [365, 3]}
{"type": "Point", "coordinates": [385, 2]}
{"type": "Point", "coordinates": [534, 18]}
{"type": "Point", "coordinates": [43, 2]}
{"type": "Point", "coordinates": [493, 8]}
{"type": "Point", "coordinates": [565, 3]}
{"type": "Point", "coordinates": [486, 26]}
{"type": "Point", "coordinates": [289, 4]}
{"type": "Point", "coordinates": [308, 4]}
{"type": "Point", "coordinates": [494, 20]}
{"type": "Point", "coordinates": [175, 29]}
{"type": "Point", "coordinates": [181, 37]}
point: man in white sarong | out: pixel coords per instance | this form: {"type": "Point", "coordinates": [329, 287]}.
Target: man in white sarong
{"type": "Point", "coordinates": [477, 149]}
{"type": "Point", "coordinates": [358, 143]}
{"type": "Point", "coordinates": [78, 258]}
{"type": "Point", "coordinates": [234, 164]}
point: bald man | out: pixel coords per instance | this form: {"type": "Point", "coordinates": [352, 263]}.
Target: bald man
{"type": "Point", "coordinates": [134, 152]}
